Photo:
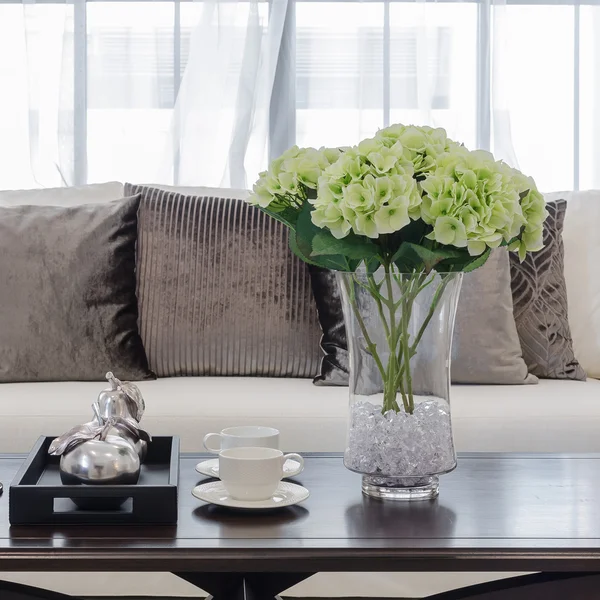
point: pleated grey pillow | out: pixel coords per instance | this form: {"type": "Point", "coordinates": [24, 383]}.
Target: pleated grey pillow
{"type": "Point", "coordinates": [68, 309]}
{"type": "Point", "coordinates": [219, 291]}
{"type": "Point", "coordinates": [485, 348]}
{"type": "Point", "coordinates": [540, 304]}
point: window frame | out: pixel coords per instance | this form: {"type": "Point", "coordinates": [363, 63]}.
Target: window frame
{"type": "Point", "coordinates": [282, 126]}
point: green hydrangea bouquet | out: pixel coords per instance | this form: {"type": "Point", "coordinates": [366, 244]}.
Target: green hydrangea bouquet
{"type": "Point", "coordinates": [408, 201]}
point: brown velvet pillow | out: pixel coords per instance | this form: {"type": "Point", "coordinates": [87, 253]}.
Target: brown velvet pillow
{"type": "Point", "coordinates": [540, 304]}
{"type": "Point", "coordinates": [220, 292]}
{"type": "Point", "coordinates": [67, 292]}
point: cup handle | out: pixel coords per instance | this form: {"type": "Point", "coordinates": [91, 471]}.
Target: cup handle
{"type": "Point", "coordinates": [297, 458]}
{"type": "Point", "coordinates": [212, 436]}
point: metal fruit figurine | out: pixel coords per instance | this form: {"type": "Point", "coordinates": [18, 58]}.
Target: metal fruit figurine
{"type": "Point", "coordinates": [122, 399]}
{"type": "Point", "coordinates": [110, 448]}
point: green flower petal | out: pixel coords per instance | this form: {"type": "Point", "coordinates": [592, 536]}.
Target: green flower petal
{"type": "Point", "coordinates": [365, 225]}
{"type": "Point", "coordinates": [390, 219]}
{"type": "Point", "coordinates": [450, 231]}
{"type": "Point", "coordinates": [476, 248]}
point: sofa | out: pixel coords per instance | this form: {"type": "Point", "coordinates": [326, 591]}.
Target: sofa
{"type": "Point", "coordinates": [553, 416]}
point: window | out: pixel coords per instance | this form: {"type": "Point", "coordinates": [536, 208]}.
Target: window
{"type": "Point", "coordinates": [130, 88]}
{"type": "Point", "coordinates": [339, 72]}
{"type": "Point", "coordinates": [520, 78]}
{"type": "Point", "coordinates": [31, 106]}
{"type": "Point", "coordinates": [447, 51]}
{"type": "Point", "coordinates": [536, 88]}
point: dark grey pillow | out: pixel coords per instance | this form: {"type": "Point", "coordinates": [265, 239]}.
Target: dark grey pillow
{"type": "Point", "coordinates": [67, 292]}
{"type": "Point", "coordinates": [220, 292]}
{"type": "Point", "coordinates": [540, 304]}
{"type": "Point", "coordinates": [485, 348]}
{"type": "Point", "coordinates": [335, 365]}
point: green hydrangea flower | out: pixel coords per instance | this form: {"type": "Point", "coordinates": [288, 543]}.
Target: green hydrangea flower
{"type": "Point", "coordinates": [493, 203]}
{"type": "Point", "coordinates": [534, 211]}
{"type": "Point", "coordinates": [291, 176]}
{"type": "Point", "coordinates": [420, 145]}
{"type": "Point", "coordinates": [373, 189]}
{"type": "Point", "coordinates": [406, 173]}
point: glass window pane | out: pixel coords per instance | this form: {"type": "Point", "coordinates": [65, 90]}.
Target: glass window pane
{"type": "Point", "coordinates": [533, 92]}
{"type": "Point", "coordinates": [225, 50]}
{"type": "Point", "coordinates": [434, 66]}
{"type": "Point", "coordinates": [130, 89]}
{"type": "Point", "coordinates": [589, 98]}
{"type": "Point", "coordinates": [35, 99]}
{"type": "Point", "coordinates": [14, 147]}
{"type": "Point", "coordinates": [339, 72]}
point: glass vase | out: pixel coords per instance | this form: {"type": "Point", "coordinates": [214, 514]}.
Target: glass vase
{"type": "Point", "coordinates": [399, 328]}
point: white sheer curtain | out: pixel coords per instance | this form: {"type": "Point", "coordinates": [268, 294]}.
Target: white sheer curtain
{"type": "Point", "coordinates": [36, 91]}
{"type": "Point", "coordinates": [546, 91]}
{"type": "Point", "coordinates": [221, 123]}
{"type": "Point", "coordinates": [199, 93]}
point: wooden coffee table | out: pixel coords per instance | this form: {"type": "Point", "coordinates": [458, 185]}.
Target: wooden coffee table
{"type": "Point", "coordinates": [496, 512]}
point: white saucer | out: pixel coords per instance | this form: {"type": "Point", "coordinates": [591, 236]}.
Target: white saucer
{"type": "Point", "coordinates": [287, 494]}
{"type": "Point", "coordinates": [210, 468]}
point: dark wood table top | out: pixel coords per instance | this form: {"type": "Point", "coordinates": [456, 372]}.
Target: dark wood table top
{"type": "Point", "coordinates": [495, 512]}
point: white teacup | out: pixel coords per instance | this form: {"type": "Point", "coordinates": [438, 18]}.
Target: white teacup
{"type": "Point", "coordinates": [254, 473]}
{"type": "Point", "coordinates": [246, 436]}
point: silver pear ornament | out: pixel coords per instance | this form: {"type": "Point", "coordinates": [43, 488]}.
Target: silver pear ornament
{"type": "Point", "coordinates": [122, 399]}
{"type": "Point", "coordinates": [110, 448]}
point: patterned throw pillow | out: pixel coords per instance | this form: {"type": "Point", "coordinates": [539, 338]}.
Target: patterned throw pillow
{"type": "Point", "coordinates": [219, 291]}
{"type": "Point", "coordinates": [540, 304]}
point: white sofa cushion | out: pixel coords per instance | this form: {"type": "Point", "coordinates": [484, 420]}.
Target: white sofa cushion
{"type": "Point", "coordinates": [581, 238]}
{"type": "Point", "coordinates": [64, 196]}
{"type": "Point", "coordinates": [554, 416]}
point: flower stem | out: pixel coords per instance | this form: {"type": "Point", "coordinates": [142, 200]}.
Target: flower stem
{"type": "Point", "coordinates": [371, 347]}
{"type": "Point", "coordinates": [390, 387]}
{"type": "Point", "coordinates": [408, 300]}
{"type": "Point", "coordinates": [397, 374]}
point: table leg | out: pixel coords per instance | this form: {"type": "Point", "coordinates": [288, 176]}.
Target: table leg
{"type": "Point", "coordinates": [244, 586]}
{"type": "Point", "coordinates": [218, 585]}
{"type": "Point", "coordinates": [268, 585]}
{"type": "Point", "coordinates": [244, 592]}
{"type": "Point", "coordinates": [546, 586]}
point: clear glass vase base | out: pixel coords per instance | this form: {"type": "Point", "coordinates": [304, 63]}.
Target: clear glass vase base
{"type": "Point", "coordinates": [401, 489]}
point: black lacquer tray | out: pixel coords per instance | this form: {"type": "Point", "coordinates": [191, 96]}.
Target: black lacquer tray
{"type": "Point", "coordinates": [37, 495]}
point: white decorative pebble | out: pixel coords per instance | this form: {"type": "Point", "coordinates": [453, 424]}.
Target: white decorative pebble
{"type": "Point", "coordinates": [400, 444]}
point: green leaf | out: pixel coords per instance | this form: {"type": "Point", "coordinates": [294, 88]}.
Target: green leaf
{"type": "Point", "coordinates": [306, 231]}
{"type": "Point", "coordinates": [372, 264]}
{"type": "Point", "coordinates": [334, 263]}
{"type": "Point", "coordinates": [352, 264]}
{"type": "Point", "coordinates": [465, 263]}
{"type": "Point", "coordinates": [477, 261]}
{"type": "Point", "coordinates": [517, 237]}
{"type": "Point", "coordinates": [293, 243]}
{"type": "Point", "coordinates": [305, 228]}
{"type": "Point", "coordinates": [352, 246]}
{"type": "Point", "coordinates": [414, 233]}
{"type": "Point", "coordinates": [301, 245]}
{"type": "Point", "coordinates": [415, 257]}
{"type": "Point", "coordinates": [287, 216]}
